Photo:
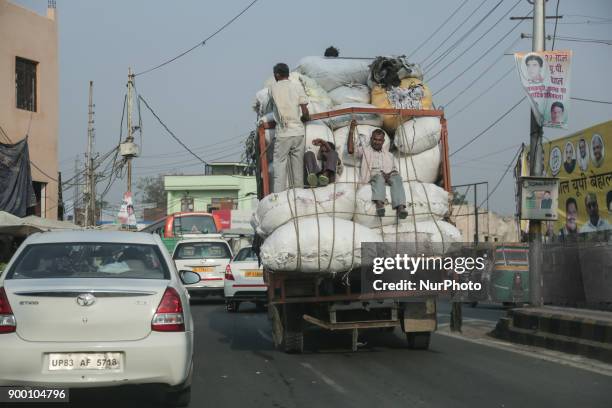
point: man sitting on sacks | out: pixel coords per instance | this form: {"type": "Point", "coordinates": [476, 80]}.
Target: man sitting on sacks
{"type": "Point", "coordinates": [379, 168]}
{"type": "Point", "coordinates": [290, 110]}
{"type": "Point", "coordinates": [329, 156]}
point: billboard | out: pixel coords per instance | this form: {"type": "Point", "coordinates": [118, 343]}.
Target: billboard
{"type": "Point", "coordinates": [545, 77]}
{"type": "Point", "coordinates": [584, 169]}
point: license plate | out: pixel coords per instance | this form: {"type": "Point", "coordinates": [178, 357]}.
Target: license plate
{"type": "Point", "coordinates": [201, 269]}
{"type": "Point", "coordinates": [253, 274]}
{"type": "Point", "coordinates": [85, 361]}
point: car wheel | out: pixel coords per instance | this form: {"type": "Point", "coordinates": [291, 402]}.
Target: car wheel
{"type": "Point", "coordinates": [178, 398]}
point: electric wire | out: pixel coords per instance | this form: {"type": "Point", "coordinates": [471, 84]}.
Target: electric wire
{"type": "Point", "coordinates": [201, 43]}
{"type": "Point", "coordinates": [438, 29]}
{"type": "Point", "coordinates": [485, 91]}
{"type": "Point", "coordinates": [502, 176]}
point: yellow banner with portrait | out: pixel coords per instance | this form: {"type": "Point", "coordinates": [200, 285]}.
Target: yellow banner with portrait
{"type": "Point", "coordinates": [584, 168]}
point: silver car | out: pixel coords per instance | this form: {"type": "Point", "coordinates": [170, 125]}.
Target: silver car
{"type": "Point", "coordinates": [96, 309]}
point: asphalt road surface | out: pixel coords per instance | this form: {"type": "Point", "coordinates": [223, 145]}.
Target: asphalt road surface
{"type": "Point", "coordinates": [237, 366]}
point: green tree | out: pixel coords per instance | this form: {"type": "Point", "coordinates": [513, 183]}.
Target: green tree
{"type": "Point", "coordinates": [150, 189]}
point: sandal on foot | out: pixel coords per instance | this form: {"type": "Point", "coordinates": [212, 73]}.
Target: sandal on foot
{"type": "Point", "coordinates": [312, 180]}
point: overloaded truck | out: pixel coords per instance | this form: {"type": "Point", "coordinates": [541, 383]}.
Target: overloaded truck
{"type": "Point", "coordinates": [311, 238]}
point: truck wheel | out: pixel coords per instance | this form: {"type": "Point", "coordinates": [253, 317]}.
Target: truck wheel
{"type": "Point", "coordinates": [418, 340]}
{"type": "Point", "coordinates": [232, 306]}
{"type": "Point", "coordinates": [293, 342]}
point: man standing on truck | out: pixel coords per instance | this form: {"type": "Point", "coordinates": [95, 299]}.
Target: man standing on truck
{"type": "Point", "coordinates": [379, 168]}
{"type": "Point", "coordinates": [329, 157]}
{"type": "Point", "coordinates": [290, 111]}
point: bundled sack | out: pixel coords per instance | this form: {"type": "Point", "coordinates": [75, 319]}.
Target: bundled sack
{"type": "Point", "coordinates": [277, 209]}
{"type": "Point", "coordinates": [330, 73]}
{"type": "Point", "coordinates": [389, 71]}
{"type": "Point", "coordinates": [325, 245]}
{"type": "Point", "coordinates": [372, 119]}
{"type": "Point", "coordinates": [418, 134]}
{"type": "Point", "coordinates": [318, 99]}
{"type": "Point", "coordinates": [423, 167]}
{"type": "Point", "coordinates": [426, 232]}
{"type": "Point", "coordinates": [362, 135]}
{"type": "Point", "coordinates": [427, 200]}
{"type": "Point", "coordinates": [411, 94]}
{"type": "Point", "coordinates": [355, 93]}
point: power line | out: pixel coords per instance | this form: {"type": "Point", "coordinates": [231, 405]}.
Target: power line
{"type": "Point", "coordinates": [502, 177]}
{"type": "Point", "coordinates": [488, 127]}
{"type": "Point", "coordinates": [585, 40]}
{"type": "Point", "coordinates": [201, 43]}
{"type": "Point", "coordinates": [453, 33]}
{"type": "Point", "coordinates": [486, 90]}
{"type": "Point", "coordinates": [438, 29]}
{"type": "Point", "coordinates": [592, 100]}
{"type": "Point", "coordinates": [475, 42]}
{"type": "Point", "coordinates": [486, 155]}
{"type": "Point", "coordinates": [450, 49]}
{"type": "Point", "coordinates": [556, 23]}
{"type": "Point", "coordinates": [170, 132]}
{"type": "Point", "coordinates": [452, 81]}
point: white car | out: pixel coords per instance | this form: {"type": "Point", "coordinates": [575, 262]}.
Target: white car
{"type": "Point", "coordinates": [96, 309]}
{"type": "Point", "coordinates": [207, 257]}
{"type": "Point", "coordinates": [244, 281]}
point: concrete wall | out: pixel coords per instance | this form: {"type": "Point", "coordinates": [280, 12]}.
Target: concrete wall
{"type": "Point", "coordinates": [25, 34]}
{"type": "Point", "coordinates": [204, 188]}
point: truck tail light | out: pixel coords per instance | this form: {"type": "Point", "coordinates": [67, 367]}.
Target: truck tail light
{"type": "Point", "coordinates": [169, 314]}
{"type": "Point", "coordinates": [8, 324]}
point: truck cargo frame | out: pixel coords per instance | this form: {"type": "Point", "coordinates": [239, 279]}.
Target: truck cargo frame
{"type": "Point", "coordinates": [297, 297]}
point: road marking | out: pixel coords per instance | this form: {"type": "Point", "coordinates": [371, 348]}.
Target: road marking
{"type": "Point", "coordinates": [325, 379]}
{"type": "Point", "coordinates": [571, 360]}
{"type": "Point", "coordinates": [265, 335]}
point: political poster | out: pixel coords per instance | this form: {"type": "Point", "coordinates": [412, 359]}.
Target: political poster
{"type": "Point", "coordinates": [126, 216]}
{"type": "Point", "coordinates": [545, 77]}
{"type": "Point", "coordinates": [584, 169]}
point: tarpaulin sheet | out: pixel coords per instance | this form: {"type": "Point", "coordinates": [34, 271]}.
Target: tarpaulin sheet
{"type": "Point", "coordinates": [16, 191]}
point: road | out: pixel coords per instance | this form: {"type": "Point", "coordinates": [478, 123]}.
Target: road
{"type": "Point", "coordinates": [237, 366]}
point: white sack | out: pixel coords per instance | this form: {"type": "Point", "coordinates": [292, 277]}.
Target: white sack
{"type": "Point", "coordinates": [318, 99]}
{"type": "Point", "coordinates": [423, 167]}
{"type": "Point", "coordinates": [417, 135]}
{"type": "Point", "coordinates": [279, 251]}
{"type": "Point", "coordinates": [356, 93]}
{"type": "Point", "coordinates": [331, 73]}
{"type": "Point", "coordinates": [277, 209]}
{"type": "Point", "coordinates": [427, 200]}
{"type": "Point", "coordinates": [372, 119]}
{"type": "Point", "coordinates": [363, 134]}
{"type": "Point", "coordinates": [426, 232]}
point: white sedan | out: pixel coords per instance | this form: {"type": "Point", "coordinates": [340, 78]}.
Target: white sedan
{"type": "Point", "coordinates": [244, 281]}
{"type": "Point", "coordinates": [96, 309]}
{"type": "Point", "coordinates": [207, 257]}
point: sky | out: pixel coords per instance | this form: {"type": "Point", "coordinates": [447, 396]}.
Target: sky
{"type": "Point", "coordinates": [205, 98]}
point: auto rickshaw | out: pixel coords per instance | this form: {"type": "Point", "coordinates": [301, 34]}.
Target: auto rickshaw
{"type": "Point", "coordinates": [509, 281]}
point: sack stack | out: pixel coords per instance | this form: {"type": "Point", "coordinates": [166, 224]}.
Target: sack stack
{"type": "Point", "coordinates": [320, 230]}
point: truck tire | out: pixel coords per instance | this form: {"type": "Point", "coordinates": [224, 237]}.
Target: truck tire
{"type": "Point", "coordinates": [418, 340]}
{"type": "Point", "coordinates": [293, 342]}
{"type": "Point", "coordinates": [287, 331]}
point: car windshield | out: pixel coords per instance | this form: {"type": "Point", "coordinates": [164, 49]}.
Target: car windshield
{"type": "Point", "coordinates": [245, 254]}
{"type": "Point", "coordinates": [510, 256]}
{"type": "Point", "coordinates": [199, 250]}
{"type": "Point", "coordinates": [90, 260]}
{"type": "Point", "coordinates": [195, 224]}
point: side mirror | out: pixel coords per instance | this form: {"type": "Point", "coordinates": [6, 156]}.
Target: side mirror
{"type": "Point", "coordinates": [189, 277]}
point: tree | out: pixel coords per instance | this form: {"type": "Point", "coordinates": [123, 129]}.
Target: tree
{"type": "Point", "coordinates": [458, 198]}
{"type": "Point", "coordinates": [151, 190]}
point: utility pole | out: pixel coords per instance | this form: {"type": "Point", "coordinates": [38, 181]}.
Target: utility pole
{"type": "Point", "coordinates": [536, 167]}
{"type": "Point", "coordinates": [476, 214]}
{"type": "Point", "coordinates": [75, 197]}
{"type": "Point", "coordinates": [90, 178]}
{"type": "Point", "coordinates": [130, 137]}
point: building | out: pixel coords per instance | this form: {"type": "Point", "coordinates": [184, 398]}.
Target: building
{"type": "Point", "coordinates": [29, 85]}
{"type": "Point", "coordinates": [492, 227]}
{"type": "Point", "coordinates": [222, 187]}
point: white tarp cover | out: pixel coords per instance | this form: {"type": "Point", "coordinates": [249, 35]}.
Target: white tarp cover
{"type": "Point", "coordinates": [326, 244]}
{"type": "Point", "coordinates": [277, 209]}
{"type": "Point", "coordinates": [426, 199]}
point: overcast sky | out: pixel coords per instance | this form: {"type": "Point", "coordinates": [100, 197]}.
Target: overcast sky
{"type": "Point", "coordinates": [206, 96]}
